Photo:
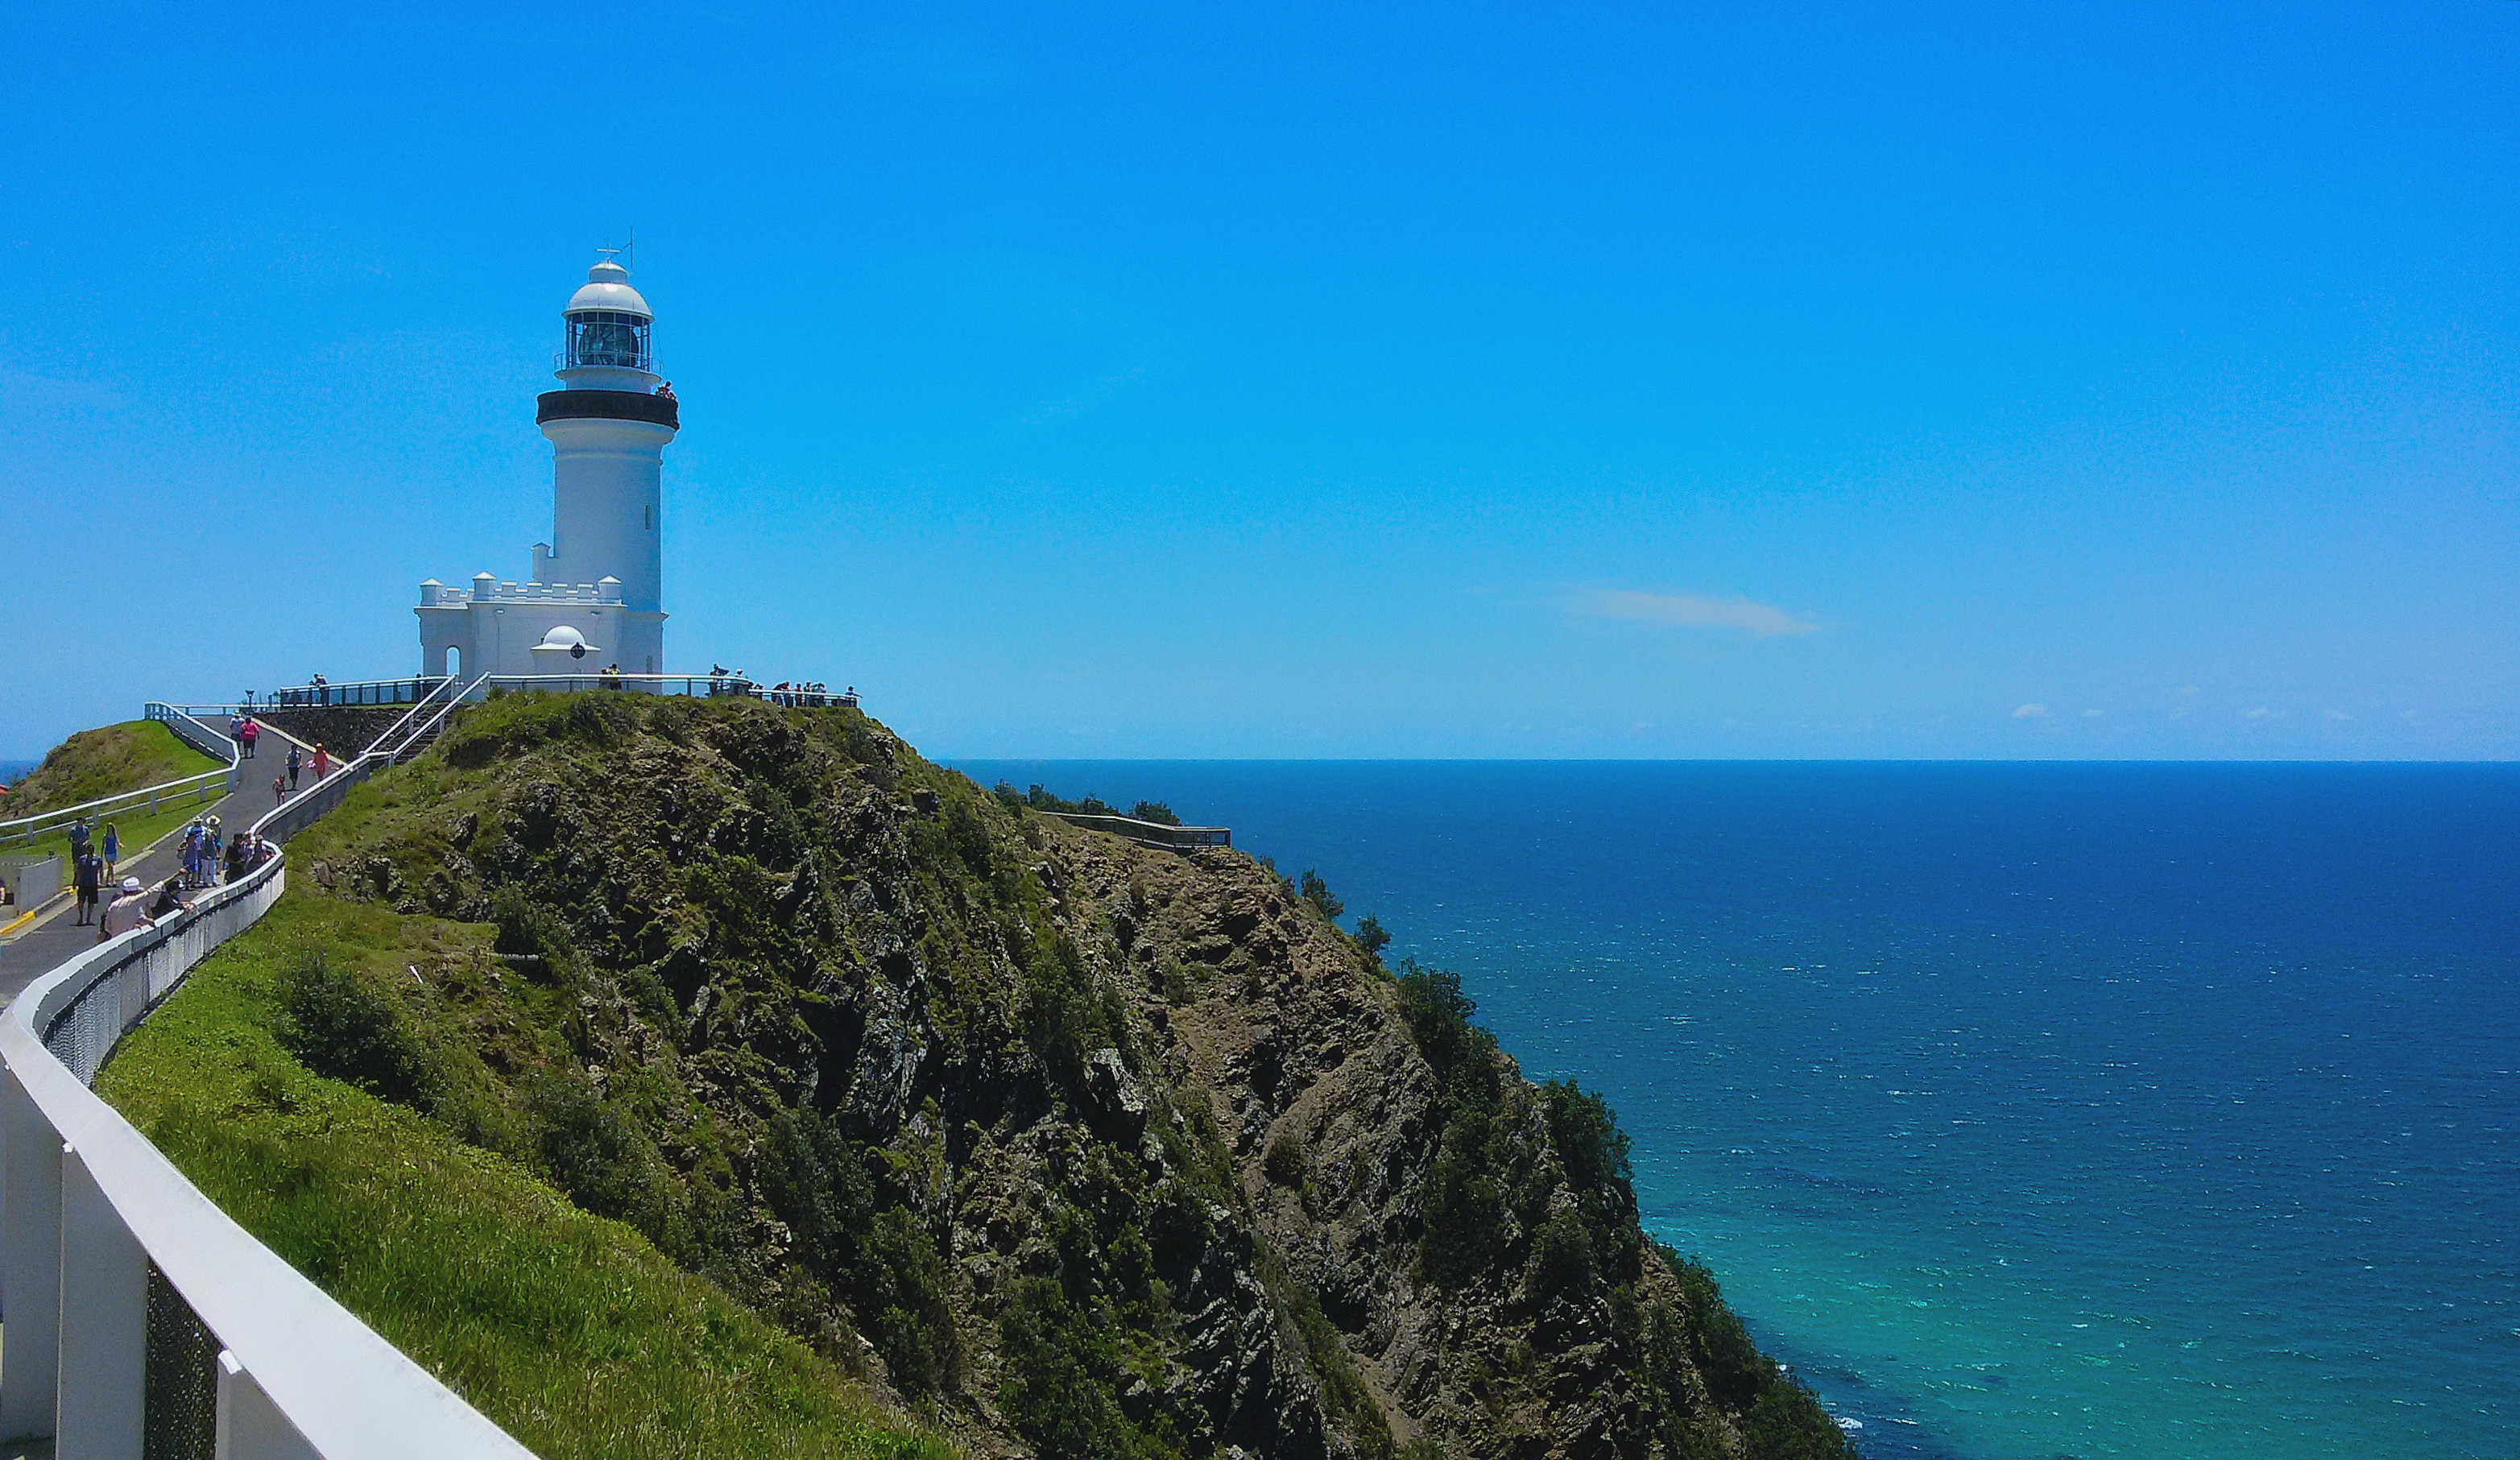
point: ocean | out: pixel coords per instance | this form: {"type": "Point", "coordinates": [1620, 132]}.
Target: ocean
{"type": "Point", "coordinates": [2027, 1111]}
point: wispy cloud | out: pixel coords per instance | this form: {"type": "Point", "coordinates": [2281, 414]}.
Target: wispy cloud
{"type": "Point", "coordinates": [1692, 611]}
{"type": "Point", "coordinates": [2031, 711]}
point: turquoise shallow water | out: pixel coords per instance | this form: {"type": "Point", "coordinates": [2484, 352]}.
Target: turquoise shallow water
{"type": "Point", "coordinates": [2163, 1111]}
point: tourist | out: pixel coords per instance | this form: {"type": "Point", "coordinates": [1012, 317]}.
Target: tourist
{"type": "Point", "coordinates": [112, 848]}
{"type": "Point", "coordinates": [78, 836]}
{"type": "Point", "coordinates": [125, 912]}
{"type": "Point", "coordinates": [237, 846]}
{"type": "Point", "coordinates": [293, 766]}
{"type": "Point", "coordinates": [86, 877]}
{"type": "Point", "coordinates": [169, 900]}
{"type": "Point", "coordinates": [322, 763]}
{"type": "Point", "coordinates": [246, 733]}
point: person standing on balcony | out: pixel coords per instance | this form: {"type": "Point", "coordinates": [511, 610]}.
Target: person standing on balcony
{"type": "Point", "coordinates": [86, 875]}
{"type": "Point", "coordinates": [111, 849]}
{"type": "Point", "coordinates": [293, 766]}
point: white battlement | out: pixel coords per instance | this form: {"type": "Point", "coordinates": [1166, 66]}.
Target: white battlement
{"type": "Point", "coordinates": [488, 590]}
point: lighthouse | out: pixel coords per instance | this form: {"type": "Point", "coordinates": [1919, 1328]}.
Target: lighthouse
{"type": "Point", "coordinates": [593, 599]}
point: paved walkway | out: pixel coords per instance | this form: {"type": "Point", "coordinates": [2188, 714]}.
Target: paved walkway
{"type": "Point", "coordinates": [56, 937]}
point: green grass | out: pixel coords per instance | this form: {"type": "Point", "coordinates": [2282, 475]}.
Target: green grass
{"type": "Point", "coordinates": [106, 762]}
{"type": "Point", "coordinates": [571, 1332]}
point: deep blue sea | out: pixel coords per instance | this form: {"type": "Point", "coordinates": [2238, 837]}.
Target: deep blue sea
{"type": "Point", "coordinates": [2030, 1110]}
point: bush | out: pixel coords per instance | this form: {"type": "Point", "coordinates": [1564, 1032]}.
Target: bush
{"type": "Point", "coordinates": [1318, 893]}
{"type": "Point", "coordinates": [1561, 1258]}
{"type": "Point", "coordinates": [526, 926]}
{"type": "Point", "coordinates": [1284, 1163]}
{"type": "Point", "coordinates": [339, 1028]}
{"type": "Point", "coordinates": [1155, 812]}
{"type": "Point", "coordinates": [1372, 938]}
{"type": "Point", "coordinates": [1590, 1143]}
{"type": "Point", "coordinates": [902, 1292]}
{"type": "Point", "coordinates": [1056, 1367]}
{"type": "Point", "coordinates": [587, 1148]}
{"type": "Point", "coordinates": [1788, 1423]}
{"type": "Point", "coordinates": [1438, 1014]}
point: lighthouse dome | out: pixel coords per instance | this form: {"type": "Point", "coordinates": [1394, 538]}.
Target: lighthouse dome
{"type": "Point", "coordinates": [607, 288]}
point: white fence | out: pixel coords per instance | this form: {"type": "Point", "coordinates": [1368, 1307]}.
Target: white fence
{"type": "Point", "coordinates": [93, 1219]}
{"type": "Point", "coordinates": [199, 789]}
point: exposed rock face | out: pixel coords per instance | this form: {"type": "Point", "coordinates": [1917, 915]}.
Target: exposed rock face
{"type": "Point", "coordinates": [1087, 1149]}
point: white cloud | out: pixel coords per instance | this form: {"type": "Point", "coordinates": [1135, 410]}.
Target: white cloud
{"type": "Point", "coordinates": [2094, 714]}
{"type": "Point", "coordinates": [2339, 715]}
{"type": "Point", "coordinates": [2031, 711]}
{"type": "Point", "coordinates": [2261, 713]}
{"type": "Point", "coordinates": [1692, 611]}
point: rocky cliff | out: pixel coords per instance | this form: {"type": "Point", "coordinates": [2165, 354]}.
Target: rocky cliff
{"type": "Point", "coordinates": [1078, 1149]}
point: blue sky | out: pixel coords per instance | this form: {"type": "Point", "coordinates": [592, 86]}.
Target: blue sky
{"type": "Point", "coordinates": [1380, 381]}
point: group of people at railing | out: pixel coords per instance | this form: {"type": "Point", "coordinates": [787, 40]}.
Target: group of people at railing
{"type": "Point", "coordinates": [206, 856]}
{"type": "Point", "coordinates": [794, 694]}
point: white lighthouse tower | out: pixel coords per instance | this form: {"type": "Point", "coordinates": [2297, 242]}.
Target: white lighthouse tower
{"type": "Point", "coordinates": [593, 599]}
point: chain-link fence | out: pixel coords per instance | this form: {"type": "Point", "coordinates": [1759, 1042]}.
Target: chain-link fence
{"type": "Point", "coordinates": [180, 1417]}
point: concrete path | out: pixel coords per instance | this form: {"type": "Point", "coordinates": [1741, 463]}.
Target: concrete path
{"type": "Point", "coordinates": [56, 937]}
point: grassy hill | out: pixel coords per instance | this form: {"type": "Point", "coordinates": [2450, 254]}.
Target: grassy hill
{"type": "Point", "coordinates": [102, 762]}
{"type": "Point", "coordinates": [701, 1077]}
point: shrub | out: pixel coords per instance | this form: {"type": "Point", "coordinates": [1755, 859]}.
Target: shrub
{"type": "Point", "coordinates": [1284, 1165]}
{"type": "Point", "coordinates": [1788, 1423]}
{"type": "Point", "coordinates": [1318, 893]}
{"type": "Point", "coordinates": [526, 926]}
{"type": "Point", "coordinates": [1561, 1258]}
{"type": "Point", "coordinates": [1156, 811]}
{"type": "Point", "coordinates": [1372, 938]}
{"type": "Point", "coordinates": [1438, 1014]}
{"type": "Point", "coordinates": [1054, 1389]}
{"type": "Point", "coordinates": [587, 1148]}
{"type": "Point", "coordinates": [902, 1294]}
{"type": "Point", "coordinates": [339, 1028]}
{"type": "Point", "coordinates": [1590, 1143]}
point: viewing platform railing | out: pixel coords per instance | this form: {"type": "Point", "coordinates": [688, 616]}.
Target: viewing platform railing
{"type": "Point", "coordinates": [357, 692]}
{"type": "Point", "coordinates": [140, 1319]}
{"type": "Point", "coordinates": [1149, 833]}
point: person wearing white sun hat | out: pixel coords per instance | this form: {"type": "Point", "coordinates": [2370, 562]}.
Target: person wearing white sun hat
{"type": "Point", "coordinates": [130, 909]}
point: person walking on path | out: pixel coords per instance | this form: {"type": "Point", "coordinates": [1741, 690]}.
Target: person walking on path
{"type": "Point", "coordinates": [169, 898]}
{"type": "Point", "coordinates": [111, 849]}
{"type": "Point", "coordinates": [125, 912]}
{"type": "Point", "coordinates": [87, 874]}
{"type": "Point", "coordinates": [236, 857]}
{"type": "Point", "coordinates": [293, 765]}
{"type": "Point", "coordinates": [322, 763]}
{"type": "Point", "coordinates": [79, 837]}
{"type": "Point", "coordinates": [246, 733]}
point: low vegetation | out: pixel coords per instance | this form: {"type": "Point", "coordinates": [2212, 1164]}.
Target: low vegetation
{"type": "Point", "coordinates": [103, 762]}
{"type": "Point", "coordinates": [678, 1076]}
{"type": "Point", "coordinates": [294, 1083]}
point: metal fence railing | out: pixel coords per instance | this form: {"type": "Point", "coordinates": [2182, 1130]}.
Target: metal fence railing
{"type": "Point", "coordinates": [186, 1335]}
{"type": "Point", "coordinates": [198, 790]}
{"type": "Point", "coordinates": [1149, 833]}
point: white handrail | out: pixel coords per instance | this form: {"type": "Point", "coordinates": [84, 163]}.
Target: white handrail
{"type": "Point", "coordinates": [28, 828]}
{"type": "Point", "coordinates": [87, 1205]}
